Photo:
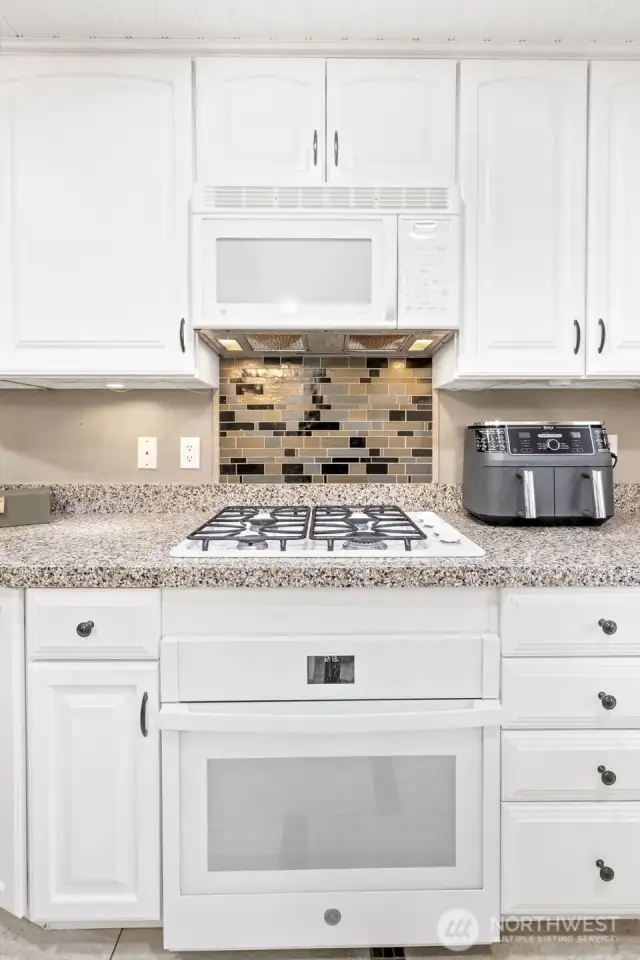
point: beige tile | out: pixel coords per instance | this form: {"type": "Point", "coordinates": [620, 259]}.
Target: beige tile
{"type": "Point", "coordinates": [22, 940]}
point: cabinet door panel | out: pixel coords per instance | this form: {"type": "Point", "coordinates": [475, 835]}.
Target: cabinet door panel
{"type": "Point", "coordinates": [260, 121]}
{"type": "Point", "coordinates": [391, 122]}
{"type": "Point", "coordinates": [522, 173]}
{"type": "Point", "coordinates": [93, 792]}
{"type": "Point", "coordinates": [13, 799]}
{"type": "Point", "coordinates": [613, 293]}
{"type": "Point", "coordinates": [95, 175]}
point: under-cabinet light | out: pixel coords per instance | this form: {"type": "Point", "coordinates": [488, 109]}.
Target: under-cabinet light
{"type": "Point", "coordinates": [230, 344]}
{"type": "Point", "coordinates": [420, 344]}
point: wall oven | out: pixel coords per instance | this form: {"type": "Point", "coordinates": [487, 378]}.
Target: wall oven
{"type": "Point", "coordinates": [324, 258]}
{"type": "Point", "coordinates": [314, 797]}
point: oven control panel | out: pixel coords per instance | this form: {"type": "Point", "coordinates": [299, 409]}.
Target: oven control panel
{"type": "Point", "coordinates": [542, 439]}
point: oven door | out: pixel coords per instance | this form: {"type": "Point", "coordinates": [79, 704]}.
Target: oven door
{"type": "Point", "coordinates": [290, 272]}
{"type": "Point", "coordinates": [328, 824]}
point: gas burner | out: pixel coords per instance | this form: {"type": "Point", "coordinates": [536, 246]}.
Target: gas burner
{"type": "Point", "coordinates": [252, 541]}
{"type": "Point", "coordinates": [254, 527]}
{"type": "Point", "coordinates": [362, 540]}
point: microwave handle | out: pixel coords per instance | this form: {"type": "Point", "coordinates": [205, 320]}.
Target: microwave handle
{"type": "Point", "coordinates": [482, 713]}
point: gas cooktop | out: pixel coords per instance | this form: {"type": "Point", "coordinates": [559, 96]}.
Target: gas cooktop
{"type": "Point", "coordinates": [325, 531]}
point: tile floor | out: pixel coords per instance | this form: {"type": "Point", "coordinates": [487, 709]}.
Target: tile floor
{"type": "Point", "coordinates": [21, 940]}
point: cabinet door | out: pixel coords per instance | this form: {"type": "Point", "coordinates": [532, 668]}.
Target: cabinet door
{"type": "Point", "coordinates": [94, 792]}
{"type": "Point", "coordinates": [13, 799]}
{"type": "Point", "coordinates": [260, 121]}
{"type": "Point", "coordinates": [391, 122]}
{"type": "Point", "coordinates": [613, 289]}
{"type": "Point", "coordinates": [95, 177]}
{"type": "Point", "coordinates": [522, 174]}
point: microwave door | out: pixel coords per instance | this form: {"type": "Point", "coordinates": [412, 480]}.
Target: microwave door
{"type": "Point", "coordinates": [299, 273]}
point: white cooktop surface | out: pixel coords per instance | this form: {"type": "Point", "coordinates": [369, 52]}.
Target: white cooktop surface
{"type": "Point", "coordinates": [442, 540]}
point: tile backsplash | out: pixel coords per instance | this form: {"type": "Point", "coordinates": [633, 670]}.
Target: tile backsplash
{"type": "Point", "coordinates": [322, 419]}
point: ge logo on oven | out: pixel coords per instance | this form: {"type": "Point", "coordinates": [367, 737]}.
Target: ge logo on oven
{"type": "Point", "coordinates": [458, 929]}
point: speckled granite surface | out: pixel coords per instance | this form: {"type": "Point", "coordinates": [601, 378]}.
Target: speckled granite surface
{"type": "Point", "coordinates": [132, 550]}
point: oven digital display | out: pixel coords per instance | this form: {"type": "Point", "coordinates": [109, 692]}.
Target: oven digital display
{"type": "Point", "coordinates": [550, 439]}
{"type": "Point", "coordinates": [330, 668]}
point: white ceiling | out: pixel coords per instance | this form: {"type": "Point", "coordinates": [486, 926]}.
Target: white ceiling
{"type": "Point", "coordinates": [608, 22]}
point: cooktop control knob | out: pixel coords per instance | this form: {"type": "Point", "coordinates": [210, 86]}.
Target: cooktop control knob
{"type": "Point", "coordinates": [553, 444]}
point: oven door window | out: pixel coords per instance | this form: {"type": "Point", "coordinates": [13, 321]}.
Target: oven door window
{"type": "Point", "coordinates": [356, 812]}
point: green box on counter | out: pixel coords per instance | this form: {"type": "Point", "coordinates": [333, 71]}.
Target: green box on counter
{"type": "Point", "coordinates": [24, 505]}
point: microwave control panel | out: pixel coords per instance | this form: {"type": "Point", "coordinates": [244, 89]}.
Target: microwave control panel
{"type": "Point", "coordinates": [429, 272]}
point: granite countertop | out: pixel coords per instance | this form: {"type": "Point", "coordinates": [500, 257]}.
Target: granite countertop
{"type": "Point", "coordinates": [93, 549]}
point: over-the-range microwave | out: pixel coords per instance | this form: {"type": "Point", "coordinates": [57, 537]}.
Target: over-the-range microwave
{"type": "Point", "coordinates": [325, 259]}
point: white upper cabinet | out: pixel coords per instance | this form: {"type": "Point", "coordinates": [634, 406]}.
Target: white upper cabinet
{"type": "Point", "coordinates": [260, 121]}
{"type": "Point", "coordinates": [95, 179]}
{"type": "Point", "coordinates": [523, 181]}
{"type": "Point", "coordinates": [391, 122]}
{"type": "Point", "coordinates": [613, 291]}
{"type": "Point", "coordinates": [13, 799]}
{"type": "Point", "coordinates": [94, 792]}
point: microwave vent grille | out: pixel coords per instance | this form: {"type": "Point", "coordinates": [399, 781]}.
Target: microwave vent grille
{"type": "Point", "coordinates": [212, 199]}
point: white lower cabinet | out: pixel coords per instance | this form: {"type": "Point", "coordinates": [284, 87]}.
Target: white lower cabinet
{"type": "Point", "coordinates": [570, 859]}
{"type": "Point", "coordinates": [94, 838]}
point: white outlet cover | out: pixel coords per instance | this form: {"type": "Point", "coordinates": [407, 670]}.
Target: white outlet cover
{"type": "Point", "coordinates": [147, 453]}
{"type": "Point", "coordinates": [190, 453]}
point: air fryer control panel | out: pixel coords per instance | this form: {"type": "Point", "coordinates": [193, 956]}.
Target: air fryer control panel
{"type": "Point", "coordinates": [541, 439]}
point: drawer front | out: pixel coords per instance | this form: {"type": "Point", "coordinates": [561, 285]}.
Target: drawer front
{"type": "Point", "coordinates": [550, 853]}
{"type": "Point", "coordinates": [546, 693]}
{"type": "Point", "coordinates": [595, 765]}
{"type": "Point", "coordinates": [93, 624]}
{"type": "Point", "coordinates": [570, 622]}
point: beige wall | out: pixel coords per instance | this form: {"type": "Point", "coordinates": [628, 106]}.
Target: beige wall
{"type": "Point", "coordinates": [620, 410]}
{"type": "Point", "coordinates": [67, 436]}
{"type": "Point", "coordinates": [90, 435]}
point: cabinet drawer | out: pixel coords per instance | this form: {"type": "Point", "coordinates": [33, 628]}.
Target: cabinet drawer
{"type": "Point", "coordinates": [93, 624]}
{"type": "Point", "coordinates": [550, 853]}
{"type": "Point", "coordinates": [571, 765]}
{"type": "Point", "coordinates": [566, 693]}
{"type": "Point", "coordinates": [563, 622]}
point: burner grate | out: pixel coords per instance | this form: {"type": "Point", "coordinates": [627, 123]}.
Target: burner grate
{"type": "Point", "coordinates": [253, 527]}
{"type": "Point", "coordinates": [359, 527]}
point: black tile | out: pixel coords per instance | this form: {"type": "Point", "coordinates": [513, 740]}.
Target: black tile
{"type": "Point", "coordinates": [377, 468]}
{"type": "Point", "coordinates": [297, 479]}
{"type": "Point", "coordinates": [328, 468]}
{"type": "Point", "coordinates": [272, 361]}
{"type": "Point", "coordinates": [322, 425]}
{"type": "Point", "coordinates": [312, 414]}
{"type": "Point", "coordinates": [278, 433]}
{"type": "Point", "coordinates": [357, 442]}
{"type": "Point", "coordinates": [421, 399]}
{"type": "Point", "coordinates": [240, 425]}
{"type": "Point", "coordinates": [351, 459]}
{"type": "Point", "coordinates": [421, 452]}
{"type": "Point", "coordinates": [289, 452]}
{"type": "Point", "coordinates": [227, 470]}
{"type": "Point", "coordinates": [365, 379]}
{"type": "Point", "coordinates": [222, 434]}
{"type": "Point", "coordinates": [290, 468]}
{"type": "Point", "coordinates": [374, 373]}
{"type": "Point", "coordinates": [365, 459]}
{"type": "Point", "coordinates": [418, 363]}
{"type": "Point", "coordinates": [416, 415]}
{"type": "Point", "coordinates": [323, 406]}
{"type": "Point", "coordinates": [238, 459]}
{"type": "Point", "coordinates": [378, 362]}
{"type": "Point", "coordinates": [386, 460]}
{"type": "Point", "coordinates": [293, 433]}
{"type": "Point", "coordinates": [260, 406]}
{"type": "Point", "coordinates": [397, 415]}
{"type": "Point", "coordinates": [222, 400]}
{"type": "Point", "coordinates": [249, 389]}
{"type": "Point", "coordinates": [227, 416]}
{"type": "Point", "coordinates": [374, 451]}
{"type": "Point", "coordinates": [252, 468]}
{"type": "Point", "coordinates": [271, 425]}
{"type": "Point", "coordinates": [322, 380]}
{"type": "Point", "coordinates": [405, 433]}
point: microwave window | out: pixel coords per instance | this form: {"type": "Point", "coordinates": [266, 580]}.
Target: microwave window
{"type": "Point", "coordinates": [292, 272]}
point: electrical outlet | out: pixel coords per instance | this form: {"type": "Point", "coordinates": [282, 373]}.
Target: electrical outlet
{"type": "Point", "coordinates": [613, 443]}
{"type": "Point", "coordinates": [147, 453]}
{"type": "Point", "coordinates": [190, 453]}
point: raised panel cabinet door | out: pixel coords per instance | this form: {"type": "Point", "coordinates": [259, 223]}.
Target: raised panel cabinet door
{"type": "Point", "coordinates": [391, 122]}
{"type": "Point", "coordinates": [613, 278]}
{"type": "Point", "coordinates": [260, 121]}
{"type": "Point", "coordinates": [13, 797]}
{"type": "Point", "coordinates": [94, 792]}
{"type": "Point", "coordinates": [95, 180]}
{"type": "Point", "coordinates": [523, 180]}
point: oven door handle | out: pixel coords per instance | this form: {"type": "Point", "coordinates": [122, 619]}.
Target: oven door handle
{"type": "Point", "coordinates": [482, 713]}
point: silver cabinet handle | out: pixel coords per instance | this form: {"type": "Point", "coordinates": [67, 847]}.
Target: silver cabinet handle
{"type": "Point", "coordinates": [315, 148]}
{"type": "Point", "coordinates": [335, 148]}
{"type": "Point", "coordinates": [529, 491]}
{"type": "Point", "coordinates": [597, 487]}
